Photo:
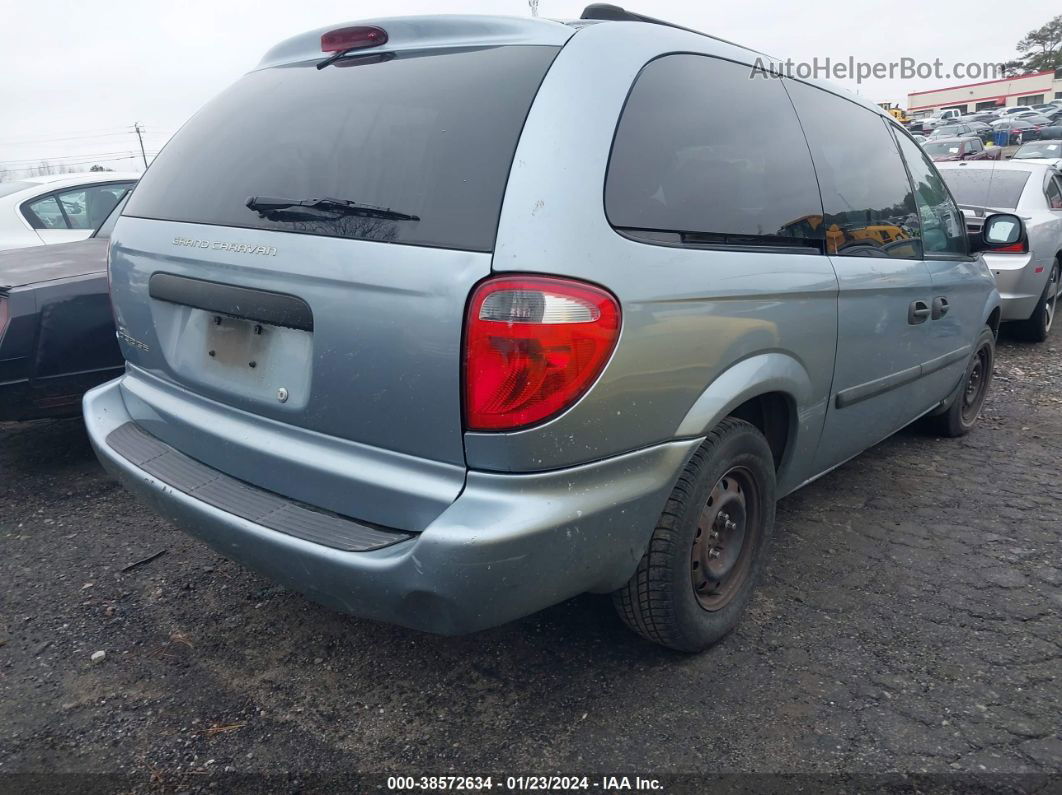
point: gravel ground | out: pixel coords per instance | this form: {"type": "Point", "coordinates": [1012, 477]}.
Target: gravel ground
{"type": "Point", "coordinates": [909, 621]}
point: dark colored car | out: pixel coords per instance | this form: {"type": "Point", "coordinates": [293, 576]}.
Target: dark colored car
{"type": "Point", "coordinates": [57, 337]}
{"type": "Point", "coordinates": [951, 131]}
{"type": "Point", "coordinates": [966, 148]}
{"type": "Point", "coordinates": [1039, 120]}
{"type": "Point", "coordinates": [1018, 130]}
{"type": "Point", "coordinates": [982, 131]}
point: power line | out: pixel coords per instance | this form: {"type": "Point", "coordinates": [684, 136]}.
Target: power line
{"type": "Point", "coordinates": [68, 134]}
{"type": "Point", "coordinates": [93, 161]}
{"type": "Point", "coordinates": [129, 131]}
{"type": "Point", "coordinates": [77, 155]}
{"type": "Point", "coordinates": [49, 139]}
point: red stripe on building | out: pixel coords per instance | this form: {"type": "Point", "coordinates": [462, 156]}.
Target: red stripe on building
{"type": "Point", "coordinates": [985, 83]}
{"type": "Point", "coordinates": [976, 100]}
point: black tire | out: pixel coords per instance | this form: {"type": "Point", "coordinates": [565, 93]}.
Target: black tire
{"type": "Point", "coordinates": [1038, 326]}
{"type": "Point", "coordinates": [660, 601]}
{"type": "Point", "coordinates": [965, 408]}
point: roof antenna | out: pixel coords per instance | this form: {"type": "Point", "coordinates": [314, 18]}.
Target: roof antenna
{"type": "Point", "coordinates": [534, 7]}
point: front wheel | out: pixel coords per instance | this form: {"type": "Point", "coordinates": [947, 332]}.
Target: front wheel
{"type": "Point", "coordinates": [697, 575]}
{"type": "Point", "coordinates": [965, 408]}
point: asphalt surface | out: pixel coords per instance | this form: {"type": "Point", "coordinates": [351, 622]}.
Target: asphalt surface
{"type": "Point", "coordinates": [909, 621]}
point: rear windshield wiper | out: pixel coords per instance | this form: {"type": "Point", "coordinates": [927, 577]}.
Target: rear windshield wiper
{"type": "Point", "coordinates": [265, 205]}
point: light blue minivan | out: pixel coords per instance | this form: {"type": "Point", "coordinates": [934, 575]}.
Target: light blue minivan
{"type": "Point", "coordinates": [443, 320]}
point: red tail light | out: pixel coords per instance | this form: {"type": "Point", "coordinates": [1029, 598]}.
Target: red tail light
{"type": "Point", "coordinates": [1017, 248]}
{"type": "Point", "coordinates": [533, 346]}
{"type": "Point", "coordinates": [355, 38]}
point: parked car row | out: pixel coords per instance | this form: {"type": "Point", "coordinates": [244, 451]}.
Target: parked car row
{"type": "Point", "coordinates": [536, 320]}
{"type": "Point", "coordinates": [1020, 123]}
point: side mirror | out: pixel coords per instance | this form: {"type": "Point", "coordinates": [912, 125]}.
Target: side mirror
{"type": "Point", "coordinates": [1001, 230]}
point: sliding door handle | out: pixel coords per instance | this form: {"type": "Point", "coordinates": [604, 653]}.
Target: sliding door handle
{"type": "Point", "coordinates": [918, 312]}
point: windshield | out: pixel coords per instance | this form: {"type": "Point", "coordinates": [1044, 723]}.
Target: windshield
{"type": "Point", "coordinates": [1039, 149]}
{"type": "Point", "coordinates": [430, 135]}
{"type": "Point", "coordinates": [942, 148]}
{"type": "Point", "coordinates": [943, 132]}
{"type": "Point", "coordinates": [986, 187]}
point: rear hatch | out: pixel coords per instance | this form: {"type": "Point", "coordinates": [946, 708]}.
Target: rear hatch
{"type": "Point", "coordinates": [313, 348]}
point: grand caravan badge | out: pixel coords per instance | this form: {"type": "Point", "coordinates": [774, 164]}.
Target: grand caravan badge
{"type": "Point", "coordinates": [222, 245]}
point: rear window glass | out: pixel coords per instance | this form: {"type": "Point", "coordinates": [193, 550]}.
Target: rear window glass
{"type": "Point", "coordinates": [986, 187]}
{"type": "Point", "coordinates": [430, 135]}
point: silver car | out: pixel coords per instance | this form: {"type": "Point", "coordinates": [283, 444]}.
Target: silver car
{"type": "Point", "coordinates": [1047, 151]}
{"type": "Point", "coordinates": [1027, 272]}
{"type": "Point", "coordinates": [444, 320]}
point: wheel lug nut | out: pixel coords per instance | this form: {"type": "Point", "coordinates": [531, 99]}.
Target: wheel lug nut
{"type": "Point", "coordinates": [730, 525]}
{"type": "Point", "coordinates": [713, 553]}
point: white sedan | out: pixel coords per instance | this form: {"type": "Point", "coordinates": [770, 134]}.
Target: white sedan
{"type": "Point", "coordinates": [58, 209]}
{"type": "Point", "coordinates": [1049, 152]}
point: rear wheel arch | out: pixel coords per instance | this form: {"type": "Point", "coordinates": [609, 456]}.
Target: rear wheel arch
{"type": "Point", "coordinates": [772, 413]}
{"type": "Point", "coordinates": [993, 320]}
{"type": "Point", "coordinates": [767, 390]}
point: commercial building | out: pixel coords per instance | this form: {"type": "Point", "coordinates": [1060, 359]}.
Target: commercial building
{"type": "Point", "coordinates": [1034, 89]}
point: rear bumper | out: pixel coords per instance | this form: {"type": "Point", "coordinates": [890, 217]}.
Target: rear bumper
{"type": "Point", "coordinates": [52, 397]}
{"type": "Point", "coordinates": [1019, 285]}
{"type": "Point", "coordinates": [508, 546]}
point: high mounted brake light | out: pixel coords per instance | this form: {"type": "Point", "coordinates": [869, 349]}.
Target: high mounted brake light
{"type": "Point", "coordinates": [533, 346]}
{"type": "Point", "coordinates": [355, 38]}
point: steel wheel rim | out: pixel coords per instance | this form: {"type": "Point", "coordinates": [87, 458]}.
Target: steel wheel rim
{"type": "Point", "coordinates": [728, 530]}
{"type": "Point", "coordinates": [976, 386]}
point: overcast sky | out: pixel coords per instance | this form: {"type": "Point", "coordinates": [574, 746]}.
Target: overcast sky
{"type": "Point", "coordinates": [77, 75]}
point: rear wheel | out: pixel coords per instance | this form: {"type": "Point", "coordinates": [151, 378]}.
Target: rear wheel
{"type": "Point", "coordinates": [1038, 326]}
{"type": "Point", "coordinates": [707, 550]}
{"type": "Point", "coordinates": [960, 416]}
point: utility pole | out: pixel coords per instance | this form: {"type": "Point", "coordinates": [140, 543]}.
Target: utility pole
{"type": "Point", "coordinates": [143, 154]}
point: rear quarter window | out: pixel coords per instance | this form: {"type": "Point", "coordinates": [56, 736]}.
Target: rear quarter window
{"type": "Point", "coordinates": [706, 154]}
{"type": "Point", "coordinates": [429, 134]}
